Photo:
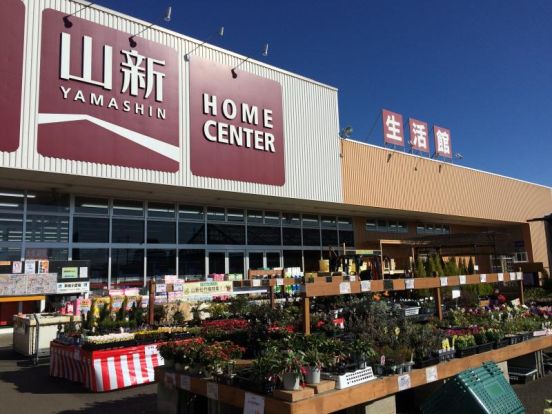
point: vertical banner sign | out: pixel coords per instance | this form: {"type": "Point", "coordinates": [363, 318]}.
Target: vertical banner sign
{"type": "Point", "coordinates": [236, 125]}
{"type": "Point", "coordinates": [393, 132]}
{"type": "Point", "coordinates": [102, 100]}
{"type": "Point", "coordinates": [12, 35]}
{"type": "Point", "coordinates": [443, 145]}
{"type": "Point", "coordinates": [419, 134]}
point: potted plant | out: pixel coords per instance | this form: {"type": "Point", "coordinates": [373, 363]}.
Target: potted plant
{"type": "Point", "coordinates": [265, 369]}
{"type": "Point", "coordinates": [314, 360]}
{"type": "Point", "coordinates": [292, 368]}
{"type": "Point", "coordinates": [361, 352]}
{"type": "Point", "coordinates": [465, 345]}
{"type": "Point", "coordinates": [483, 344]}
{"type": "Point", "coordinates": [496, 337]}
{"type": "Point", "coordinates": [167, 353]}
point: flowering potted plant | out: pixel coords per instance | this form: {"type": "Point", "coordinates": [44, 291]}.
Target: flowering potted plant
{"type": "Point", "coordinates": [361, 351]}
{"type": "Point", "coordinates": [292, 369]}
{"type": "Point", "coordinates": [314, 360]}
{"type": "Point", "coordinates": [465, 345]}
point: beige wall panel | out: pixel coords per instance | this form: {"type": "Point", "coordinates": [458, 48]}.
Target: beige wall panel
{"type": "Point", "coordinates": [539, 243]}
{"type": "Point", "coordinates": [383, 178]}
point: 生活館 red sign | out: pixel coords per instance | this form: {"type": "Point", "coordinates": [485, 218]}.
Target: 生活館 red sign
{"type": "Point", "coordinates": [103, 100]}
{"type": "Point", "coordinates": [12, 37]}
{"type": "Point", "coordinates": [236, 125]}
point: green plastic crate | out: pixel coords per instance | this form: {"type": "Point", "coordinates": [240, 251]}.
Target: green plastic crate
{"type": "Point", "coordinates": [481, 390]}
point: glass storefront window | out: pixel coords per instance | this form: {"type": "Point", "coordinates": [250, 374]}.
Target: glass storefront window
{"type": "Point", "coordinates": [99, 263]}
{"type": "Point", "coordinates": [161, 262]}
{"type": "Point", "coordinates": [45, 229]}
{"type": "Point", "coordinates": [345, 223]}
{"type": "Point", "coordinates": [291, 219]}
{"type": "Point", "coordinates": [272, 260]}
{"type": "Point", "coordinates": [128, 208]}
{"type": "Point", "coordinates": [215, 214]}
{"type": "Point", "coordinates": [235, 215]}
{"type": "Point", "coordinates": [256, 260]}
{"type": "Point", "coordinates": [191, 213]}
{"type": "Point", "coordinates": [39, 253]}
{"type": "Point", "coordinates": [127, 265]}
{"type": "Point", "coordinates": [10, 253]}
{"type": "Point", "coordinates": [225, 234]}
{"type": "Point", "coordinates": [11, 200]}
{"type": "Point", "coordinates": [191, 233]}
{"type": "Point", "coordinates": [191, 263]}
{"type": "Point", "coordinates": [235, 262]}
{"type": "Point", "coordinates": [11, 227]}
{"type": "Point", "coordinates": [216, 262]}
{"type": "Point", "coordinates": [310, 220]}
{"type": "Point", "coordinates": [312, 258]}
{"type": "Point", "coordinates": [89, 205]}
{"type": "Point", "coordinates": [293, 258]}
{"type": "Point", "coordinates": [47, 202]}
{"type": "Point", "coordinates": [254, 216]}
{"type": "Point", "coordinates": [347, 237]}
{"type": "Point", "coordinates": [127, 231]}
{"type": "Point", "coordinates": [329, 238]}
{"type": "Point", "coordinates": [271, 217]}
{"type": "Point", "coordinates": [161, 210]}
{"type": "Point", "coordinates": [161, 232]}
{"type": "Point", "coordinates": [259, 235]}
{"type": "Point", "coordinates": [371, 225]}
{"type": "Point", "coordinates": [311, 237]}
{"type": "Point", "coordinates": [90, 230]}
{"type": "Point", "coordinates": [329, 222]}
{"type": "Point", "coordinates": [292, 236]}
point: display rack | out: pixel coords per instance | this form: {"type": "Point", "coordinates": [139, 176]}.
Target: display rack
{"type": "Point", "coordinates": [336, 400]}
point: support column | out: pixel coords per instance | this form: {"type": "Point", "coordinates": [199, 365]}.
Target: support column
{"type": "Point", "coordinates": [306, 315]}
{"type": "Point", "coordinates": [438, 303]}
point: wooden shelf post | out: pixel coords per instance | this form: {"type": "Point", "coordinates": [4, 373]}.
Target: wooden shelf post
{"type": "Point", "coordinates": [151, 304]}
{"type": "Point", "coordinates": [439, 303]}
{"type": "Point", "coordinates": [306, 314]}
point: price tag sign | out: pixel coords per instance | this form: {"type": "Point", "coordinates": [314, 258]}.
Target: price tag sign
{"type": "Point", "coordinates": [256, 282]}
{"type": "Point", "coordinates": [501, 277]}
{"type": "Point", "coordinates": [279, 282]}
{"type": "Point", "coordinates": [170, 380]}
{"type": "Point", "coordinates": [212, 390]}
{"type": "Point", "coordinates": [253, 404]}
{"type": "Point", "coordinates": [365, 286]}
{"type": "Point", "coordinates": [519, 276]}
{"type": "Point", "coordinates": [344, 288]}
{"type": "Point", "coordinates": [185, 382]}
{"type": "Point", "coordinates": [462, 279]}
{"type": "Point", "coordinates": [483, 278]}
{"type": "Point", "coordinates": [409, 283]}
{"type": "Point", "coordinates": [431, 374]}
{"type": "Point", "coordinates": [444, 281]}
{"type": "Point", "coordinates": [151, 350]}
{"type": "Point", "coordinates": [404, 382]}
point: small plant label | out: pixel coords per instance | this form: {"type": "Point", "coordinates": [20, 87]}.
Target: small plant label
{"type": "Point", "coordinates": [279, 282]}
{"type": "Point", "coordinates": [455, 293]}
{"type": "Point", "coordinates": [170, 380]}
{"type": "Point", "coordinates": [500, 277]}
{"type": "Point", "coordinates": [344, 288]}
{"type": "Point", "coordinates": [365, 286]}
{"type": "Point", "coordinates": [519, 276]}
{"type": "Point", "coordinates": [444, 281]}
{"type": "Point", "coordinates": [431, 374]}
{"type": "Point", "coordinates": [255, 282]}
{"type": "Point", "coordinates": [462, 279]}
{"type": "Point", "coordinates": [404, 382]}
{"type": "Point", "coordinates": [483, 278]}
{"type": "Point", "coordinates": [352, 278]}
{"type": "Point", "coordinates": [409, 283]}
{"type": "Point", "coordinates": [253, 404]}
{"type": "Point", "coordinates": [185, 382]}
{"type": "Point", "coordinates": [212, 390]}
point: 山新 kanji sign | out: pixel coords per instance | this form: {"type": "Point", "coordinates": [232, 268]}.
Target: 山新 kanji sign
{"type": "Point", "coordinates": [105, 102]}
{"type": "Point", "coordinates": [443, 145]}
{"type": "Point", "coordinates": [393, 132]}
{"type": "Point", "coordinates": [12, 35]}
{"type": "Point", "coordinates": [236, 125]}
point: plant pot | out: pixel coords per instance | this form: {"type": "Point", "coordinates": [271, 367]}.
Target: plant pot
{"type": "Point", "coordinates": [169, 363]}
{"type": "Point", "coordinates": [484, 347]}
{"type": "Point", "coordinates": [178, 366]}
{"type": "Point", "coordinates": [407, 366]}
{"type": "Point", "coordinates": [525, 336]}
{"type": "Point", "coordinates": [501, 343]}
{"type": "Point", "coordinates": [426, 362]}
{"type": "Point", "coordinates": [471, 350]}
{"type": "Point", "coordinates": [396, 369]}
{"type": "Point", "coordinates": [513, 339]}
{"type": "Point", "coordinates": [291, 381]}
{"type": "Point", "coordinates": [312, 375]}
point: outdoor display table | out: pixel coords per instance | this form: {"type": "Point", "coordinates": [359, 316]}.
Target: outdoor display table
{"type": "Point", "coordinates": [105, 370]}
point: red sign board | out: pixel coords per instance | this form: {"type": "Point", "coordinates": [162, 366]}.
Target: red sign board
{"type": "Point", "coordinates": [443, 145]}
{"type": "Point", "coordinates": [419, 135]}
{"type": "Point", "coordinates": [103, 101]}
{"type": "Point", "coordinates": [393, 132]}
{"type": "Point", "coordinates": [12, 35]}
{"type": "Point", "coordinates": [236, 125]}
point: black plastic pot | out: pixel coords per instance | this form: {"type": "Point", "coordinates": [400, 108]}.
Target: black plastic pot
{"type": "Point", "coordinates": [461, 353]}
{"type": "Point", "coordinates": [426, 362]}
{"type": "Point", "coordinates": [485, 347]}
{"type": "Point", "coordinates": [501, 343]}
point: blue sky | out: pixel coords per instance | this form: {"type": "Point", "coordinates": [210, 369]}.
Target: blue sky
{"type": "Point", "coordinates": [483, 69]}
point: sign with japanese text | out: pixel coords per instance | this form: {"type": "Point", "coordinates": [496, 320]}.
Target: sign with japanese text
{"type": "Point", "coordinates": [73, 287]}
{"type": "Point", "coordinates": [443, 145]}
{"type": "Point", "coordinates": [236, 125]}
{"type": "Point", "coordinates": [103, 101]}
{"type": "Point", "coordinates": [393, 131]}
{"type": "Point", "coordinates": [419, 135]}
{"type": "Point", "coordinates": [12, 33]}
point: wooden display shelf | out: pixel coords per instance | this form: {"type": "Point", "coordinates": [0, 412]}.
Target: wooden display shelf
{"type": "Point", "coordinates": [286, 281]}
{"type": "Point", "coordinates": [336, 400]}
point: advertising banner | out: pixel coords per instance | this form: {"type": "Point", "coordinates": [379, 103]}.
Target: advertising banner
{"type": "Point", "coordinates": [419, 135]}
{"type": "Point", "coordinates": [236, 125]}
{"type": "Point", "coordinates": [207, 289]}
{"type": "Point", "coordinates": [443, 145]}
{"type": "Point", "coordinates": [104, 101]}
{"type": "Point", "coordinates": [393, 131]}
{"type": "Point", "coordinates": [12, 33]}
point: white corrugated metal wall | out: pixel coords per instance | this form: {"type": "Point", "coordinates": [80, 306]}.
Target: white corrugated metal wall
{"type": "Point", "coordinates": [312, 163]}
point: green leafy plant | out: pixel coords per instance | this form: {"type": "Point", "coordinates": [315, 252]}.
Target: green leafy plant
{"type": "Point", "coordinates": [461, 342]}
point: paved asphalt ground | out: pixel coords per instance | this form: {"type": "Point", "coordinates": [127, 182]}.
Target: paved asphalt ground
{"type": "Point", "coordinates": [26, 389]}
